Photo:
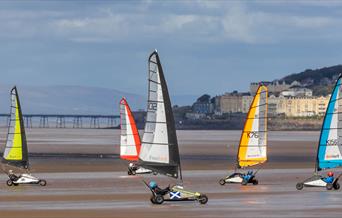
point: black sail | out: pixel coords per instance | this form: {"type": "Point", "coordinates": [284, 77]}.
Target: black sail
{"type": "Point", "coordinates": [159, 150]}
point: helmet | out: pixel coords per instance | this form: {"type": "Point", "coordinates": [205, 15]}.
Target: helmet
{"type": "Point", "coordinates": [330, 173]}
{"type": "Point", "coordinates": [152, 184]}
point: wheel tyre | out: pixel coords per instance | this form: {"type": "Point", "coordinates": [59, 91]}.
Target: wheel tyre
{"type": "Point", "coordinates": [336, 186]}
{"type": "Point", "coordinates": [42, 182]}
{"type": "Point", "coordinates": [155, 173]}
{"type": "Point", "coordinates": [299, 186]}
{"type": "Point", "coordinates": [133, 172]}
{"type": "Point", "coordinates": [329, 186]}
{"type": "Point", "coordinates": [244, 182]}
{"type": "Point", "coordinates": [129, 172]}
{"type": "Point", "coordinates": [203, 199]}
{"type": "Point", "coordinates": [222, 182]}
{"type": "Point", "coordinates": [159, 199]}
{"type": "Point", "coordinates": [152, 200]}
{"type": "Point", "coordinates": [9, 182]}
{"type": "Point", "coordinates": [255, 182]}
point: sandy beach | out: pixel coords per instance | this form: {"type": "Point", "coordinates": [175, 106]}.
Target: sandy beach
{"type": "Point", "coordinates": [87, 179]}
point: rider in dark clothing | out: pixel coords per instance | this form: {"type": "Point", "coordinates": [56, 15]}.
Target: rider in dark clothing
{"type": "Point", "coordinates": [248, 176]}
{"type": "Point", "coordinates": [154, 186]}
{"type": "Point", "coordinates": [12, 176]}
{"type": "Point", "coordinates": [329, 178]}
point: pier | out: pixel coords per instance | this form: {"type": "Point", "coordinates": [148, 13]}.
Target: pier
{"type": "Point", "coordinates": [65, 121]}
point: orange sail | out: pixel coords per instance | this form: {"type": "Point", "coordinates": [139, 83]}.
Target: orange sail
{"type": "Point", "coordinates": [130, 142]}
{"type": "Point", "coordinates": [253, 142]}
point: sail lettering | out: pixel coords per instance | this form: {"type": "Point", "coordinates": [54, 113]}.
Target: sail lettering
{"type": "Point", "coordinates": [332, 142]}
{"type": "Point", "coordinates": [252, 135]}
{"type": "Point", "coordinates": [152, 106]}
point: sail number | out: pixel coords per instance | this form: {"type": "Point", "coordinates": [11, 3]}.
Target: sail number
{"type": "Point", "coordinates": [152, 106]}
{"type": "Point", "coordinates": [252, 135]}
{"type": "Point", "coordinates": [332, 142]}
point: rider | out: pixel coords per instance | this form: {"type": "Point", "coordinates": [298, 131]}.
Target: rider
{"type": "Point", "coordinates": [248, 176]}
{"type": "Point", "coordinates": [329, 178]}
{"type": "Point", "coordinates": [154, 186]}
{"type": "Point", "coordinates": [12, 176]}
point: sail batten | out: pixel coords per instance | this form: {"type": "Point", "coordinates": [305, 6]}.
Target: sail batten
{"type": "Point", "coordinates": [253, 141]}
{"type": "Point", "coordinates": [330, 143]}
{"type": "Point", "coordinates": [159, 151]}
{"type": "Point", "coordinates": [16, 152]}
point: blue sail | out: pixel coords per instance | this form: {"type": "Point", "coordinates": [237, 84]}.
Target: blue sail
{"type": "Point", "coordinates": [330, 143]}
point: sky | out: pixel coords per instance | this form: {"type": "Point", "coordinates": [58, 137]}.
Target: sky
{"type": "Point", "coordinates": [205, 46]}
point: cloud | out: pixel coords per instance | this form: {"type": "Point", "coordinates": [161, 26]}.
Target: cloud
{"type": "Point", "coordinates": [198, 21]}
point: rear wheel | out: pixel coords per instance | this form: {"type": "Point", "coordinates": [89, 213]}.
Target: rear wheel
{"type": "Point", "coordinates": [299, 186]}
{"type": "Point", "coordinates": [9, 182]}
{"type": "Point", "coordinates": [133, 172]}
{"type": "Point", "coordinates": [255, 182]}
{"type": "Point", "coordinates": [129, 172]}
{"type": "Point", "coordinates": [203, 199]}
{"type": "Point", "coordinates": [159, 199]}
{"type": "Point", "coordinates": [222, 182]}
{"type": "Point", "coordinates": [42, 182]}
{"type": "Point", "coordinates": [329, 186]}
{"type": "Point", "coordinates": [336, 186]}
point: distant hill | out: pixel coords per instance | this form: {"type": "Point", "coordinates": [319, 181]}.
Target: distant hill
{"type": "Point", "coordinates": [320, 81]}
{"type": "Point", "coordinates": [69, 100]}
{"type": "Point", "coordinates": [76, 100]}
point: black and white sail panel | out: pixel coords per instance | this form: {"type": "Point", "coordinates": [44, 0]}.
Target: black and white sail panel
{"type": "Point", "coordinates": [159, 151]}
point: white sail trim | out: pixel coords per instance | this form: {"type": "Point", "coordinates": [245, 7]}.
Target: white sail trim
{"type": "Point", "coordinates": [127, 142]}
{"type": "Point", "coordinates": [257, 140]}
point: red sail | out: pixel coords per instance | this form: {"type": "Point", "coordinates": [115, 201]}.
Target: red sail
{"type": "Point", "coordinates": [130, 142]}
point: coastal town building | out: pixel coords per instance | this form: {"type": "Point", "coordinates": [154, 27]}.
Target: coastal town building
{"type": "Point", "coordinates": [230, 103]}
{"type": "Point", "coordinates": [274, 87]}
{"type": "Point", "coordinates": [302, 106]}
{"type": "Point", "coordinates": [297, 91]}
{"type": "Point", "coordinates": [299, 106]}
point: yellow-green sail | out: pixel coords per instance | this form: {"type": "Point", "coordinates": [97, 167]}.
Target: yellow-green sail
{"type": "Point", "coordinates": [16, 146]}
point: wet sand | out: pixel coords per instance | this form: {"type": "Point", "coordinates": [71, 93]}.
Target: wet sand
{"type": "Point", "coordinates": [86, 178]}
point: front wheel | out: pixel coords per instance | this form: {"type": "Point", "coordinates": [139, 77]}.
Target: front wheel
{"type": "Point", "coordinates": [42, 182]}
{"type": "Point", "coordinates": [222, 182]}
{"type": "Point", "coordinates": [159, 199]}
{"type": "Point", "coordinates": [336, 186]}
{"type": "Point", "coordinates": [9, 182]}
{"type": "Point", "coordinates": [329, 186]}
{"type": "Point", "coordinates": [255, 182]}
{"type": "Point", "coordinates": [299, 186]}
{"type": "Point", "coordinates": [129, 172]}
{"type": "Point", "coordinates": [155, 173]}
{"type": "Point", "coordinates": [203, 199]}
{"type": "Point", "coordinates": [244, 182]}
